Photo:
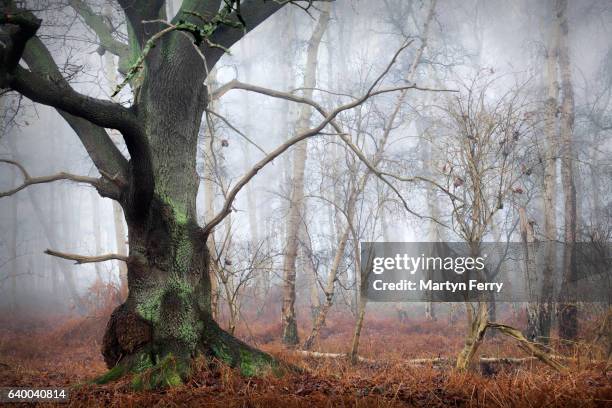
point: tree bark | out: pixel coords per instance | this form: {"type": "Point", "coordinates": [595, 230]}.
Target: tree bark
{"type": "Point", "coordinates": [477, 327]}
{"type": "Point", "coordinates": [541, 330]}
{"type": "Point", "coordinates": [533, 308]}
{"type": "Point", "coordinates": [568, 312]}
{"type": "Point", "coordinates": [296, 204]}
{"type": "Point", "coordinates": [319, 321]}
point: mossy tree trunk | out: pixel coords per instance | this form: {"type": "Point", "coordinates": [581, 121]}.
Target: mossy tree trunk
{"type": "Point", "coordinates": [167, 315]}
{"type": "Point", "coordinates": [166, 320]}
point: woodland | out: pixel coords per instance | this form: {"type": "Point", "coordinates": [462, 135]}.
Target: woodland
{"type": "Point", "coordinates": [185, 186]}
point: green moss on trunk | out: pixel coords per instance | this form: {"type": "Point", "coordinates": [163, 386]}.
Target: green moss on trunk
{"type": "Point", "coordinates": [250, 361]}
{"type": "Point", "coordinates": [166, 322]}
{"type": "Point", "coordinates": [111, 375]}
{"type": "Point", "coordinates": [169, 372]}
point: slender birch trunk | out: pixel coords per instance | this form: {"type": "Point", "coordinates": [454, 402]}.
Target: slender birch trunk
{"type": "Point", "coordinates": [97, 232]}
{"type": "Point", "coordinates": [541, 330]}
{"type": "Point", "coordinates": [568, 313]}
{"type": "Point", "coordinates": [389, 125]}
{"type": "Point", "coordinates": [296, 205]}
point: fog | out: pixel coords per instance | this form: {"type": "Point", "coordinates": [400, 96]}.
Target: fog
{"type": "Point", "coordinates": [500, 42]}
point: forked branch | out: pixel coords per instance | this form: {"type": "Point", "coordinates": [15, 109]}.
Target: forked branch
{"type": "Point", "coordinates": [329, 119]}
{"type": "Point", "coordinates": [29, 181]}
{"type": "Point", "coordinates": [227, 206]}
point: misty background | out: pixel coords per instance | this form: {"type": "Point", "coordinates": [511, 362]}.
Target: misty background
{"type": "Point", "coordinates": [496, 42]}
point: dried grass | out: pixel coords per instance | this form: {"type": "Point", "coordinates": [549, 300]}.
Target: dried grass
{"type": "Point", "coordinates": [64, 351]}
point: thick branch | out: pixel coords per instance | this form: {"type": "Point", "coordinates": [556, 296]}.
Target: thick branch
{"type": "Point", "coordinates": [54, 90]}
{"type": "Point", "coordinates": [105, 114]}
{"type": "Point", "coordinates": [98, 24]}
{"type": "Point", "coordinates": [100, 112]}
{"type": "Point", "coordinates": [50, 88]}
{"type": "Point", "coordinates": [138, 11]}
{"type": "Point", "coordinates": [103, 152]}
{"type": "Point", "coordinates": [252, 13]}
{"type": "Point", "coordinates": [18, 28]}
{"type": "Point", "coordinates": [81, 259]}
{"type": "Point", "coordinates": [88, 116]}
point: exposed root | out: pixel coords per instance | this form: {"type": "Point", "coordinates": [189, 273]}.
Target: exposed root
{"type": "Point", "coordinates": [235, 353]}
{"type": "Point", "coordinates": [156, 366]}
{"type": "Point", "coordinates": [169, 372]}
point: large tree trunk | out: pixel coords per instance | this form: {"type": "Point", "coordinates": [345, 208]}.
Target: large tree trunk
{"type": "Point", "coordinates": [296, 204]}
{"type": "Point", "coordinates": [568, 313]}
{"type": "Point", "coordinates": [166, 320]}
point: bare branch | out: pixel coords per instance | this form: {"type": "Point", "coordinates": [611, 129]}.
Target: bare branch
{"type": "Point", "coordinates": [234, 84]}
{"type": "Point", "coordinates": [81, 259]}
{"type": "Point", "coordinates": [100, 147]}
{"type": "Point", "coordinates": [328, 120]}
{"type": "Point", "coordinates": [29, 181]}
{"type": "Point", "coordinates": [229, 124]}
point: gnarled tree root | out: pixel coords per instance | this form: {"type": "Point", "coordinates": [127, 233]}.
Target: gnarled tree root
{"type": "Point", "coordinates": [154, 366]}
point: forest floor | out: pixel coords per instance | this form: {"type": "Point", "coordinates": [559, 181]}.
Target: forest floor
{"type": "Point", "coordinates": [61, 351]}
